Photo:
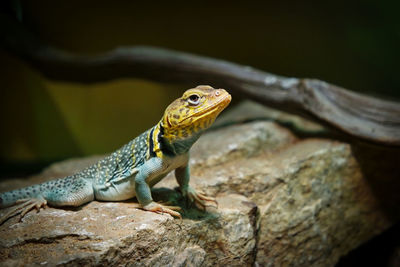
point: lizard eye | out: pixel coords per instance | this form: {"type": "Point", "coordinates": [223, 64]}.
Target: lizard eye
{"type": "Point", "coordinates": [194, 99]}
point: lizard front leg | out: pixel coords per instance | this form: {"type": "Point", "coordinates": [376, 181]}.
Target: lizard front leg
{"type": "Point", "coordinates": [148, 171]}
{"type": "Point", "coordinates": [201, 201]}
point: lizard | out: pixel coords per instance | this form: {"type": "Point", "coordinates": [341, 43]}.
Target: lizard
{"type": "Point", "coordinates": [137, 166]}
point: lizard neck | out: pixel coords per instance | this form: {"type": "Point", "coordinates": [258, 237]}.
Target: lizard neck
{"type": "Point", "coordinates": [162, 142]}
{"type": "Point", "coordinates": [181, 146]}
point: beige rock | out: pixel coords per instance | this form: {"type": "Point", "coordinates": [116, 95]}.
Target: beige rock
{"type": "Point", "coordinates": [238, 141]}
{"type": "Point", "coordinates": [118, 234]}
{"type": "Point", "coordinates": [317, 199]}
{"type": "Point", "coordinates": [322, 208]}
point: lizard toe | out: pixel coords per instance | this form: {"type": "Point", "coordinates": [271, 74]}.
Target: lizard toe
{"type": "Point", "coordinates": [23, 207]}
{"type": "Point", "coordinates": [159, 208]}
{"type": "Point", "coordinates": [201, 200]}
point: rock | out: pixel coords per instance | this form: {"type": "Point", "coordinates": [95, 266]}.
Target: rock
{"type": "Point", "coordinates": [282, 201]}
{"type": "Point", "coordinates": [322, 208]}
{"type": "Point", "coordinates": [118, 234]}
{"type": "Point", "coordinates": [229, 143]}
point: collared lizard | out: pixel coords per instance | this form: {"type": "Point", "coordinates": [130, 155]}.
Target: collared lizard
{"type": "Point", "coordinates": [137, 166]}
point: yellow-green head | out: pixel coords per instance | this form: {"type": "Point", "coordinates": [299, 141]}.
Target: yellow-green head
{"type": "Point", "coordinates": [194, 112]}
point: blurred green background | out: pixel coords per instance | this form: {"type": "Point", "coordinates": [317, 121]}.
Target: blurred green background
{"type": "Point", "coordinates": [351, 44]}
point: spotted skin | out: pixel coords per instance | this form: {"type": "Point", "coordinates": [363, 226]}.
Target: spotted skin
{"type": "Point", "coordinates": [137, 166]}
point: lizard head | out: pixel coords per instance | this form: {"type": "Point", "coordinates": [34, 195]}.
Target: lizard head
{"type": "Point", "coordinates": [194, 112]}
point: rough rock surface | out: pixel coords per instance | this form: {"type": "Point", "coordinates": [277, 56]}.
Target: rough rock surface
{"type": "Point", "coordinates": [109, 234]}
{"type": "Point", "coordinates": [282, 201]}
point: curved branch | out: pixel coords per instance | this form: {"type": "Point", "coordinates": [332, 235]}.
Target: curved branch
{"type": "Point", "coordinates": [355, 114]}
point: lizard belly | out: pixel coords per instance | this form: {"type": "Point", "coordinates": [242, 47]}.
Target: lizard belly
{"type": "Point", "coordinates": [125, 189]}
{"type": "Point", "coordinates": [121, 190]}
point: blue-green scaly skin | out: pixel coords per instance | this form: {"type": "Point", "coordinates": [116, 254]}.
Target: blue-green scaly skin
{"type": "Point", "coordinates": [130, 171]}
{"type": "Point", "coordinates": [81, 187]}
{"type": "Point", "coordinates": [137, 166]}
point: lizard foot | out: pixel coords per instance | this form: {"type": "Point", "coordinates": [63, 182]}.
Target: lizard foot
{"type": "Point", "coordinates": [201, 200]}
{"type": "Point", "coordinates": [159, 208]}
{"type": "Point", "coordinates": [23, 207]}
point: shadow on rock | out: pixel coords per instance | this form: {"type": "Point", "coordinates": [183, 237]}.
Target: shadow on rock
{"type": "Point", "coordinates": [189, 211]}
{"type": "Point", "coordinates": [380, 168]}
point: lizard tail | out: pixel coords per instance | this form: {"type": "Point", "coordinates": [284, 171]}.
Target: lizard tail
{"type": "Point", "coordinates": [10, 198]}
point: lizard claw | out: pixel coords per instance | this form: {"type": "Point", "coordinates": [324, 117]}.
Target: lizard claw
{"type": "Point", "coordinates": [159, 208]}
{"type": "Point", "coordinates": [201, 200]}
{"type": "Point", "coordinates": [23, 207]}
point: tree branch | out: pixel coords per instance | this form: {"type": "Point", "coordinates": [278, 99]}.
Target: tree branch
{"type": "Point", "coordinates": [355, 114]}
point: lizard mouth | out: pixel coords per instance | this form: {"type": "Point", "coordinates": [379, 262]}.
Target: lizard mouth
{"type": "Point", "coordinates": [219, 105]}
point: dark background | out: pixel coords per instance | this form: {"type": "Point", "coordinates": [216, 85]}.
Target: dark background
{"type": "Point", "coordinates": [350, 44]}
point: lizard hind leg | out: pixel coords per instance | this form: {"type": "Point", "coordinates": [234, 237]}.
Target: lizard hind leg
{"type": "Point", "coordinates": [23, 206]}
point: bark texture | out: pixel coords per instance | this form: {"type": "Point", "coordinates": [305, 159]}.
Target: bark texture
{"type": "Point", "coordinates": [351, 113]}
